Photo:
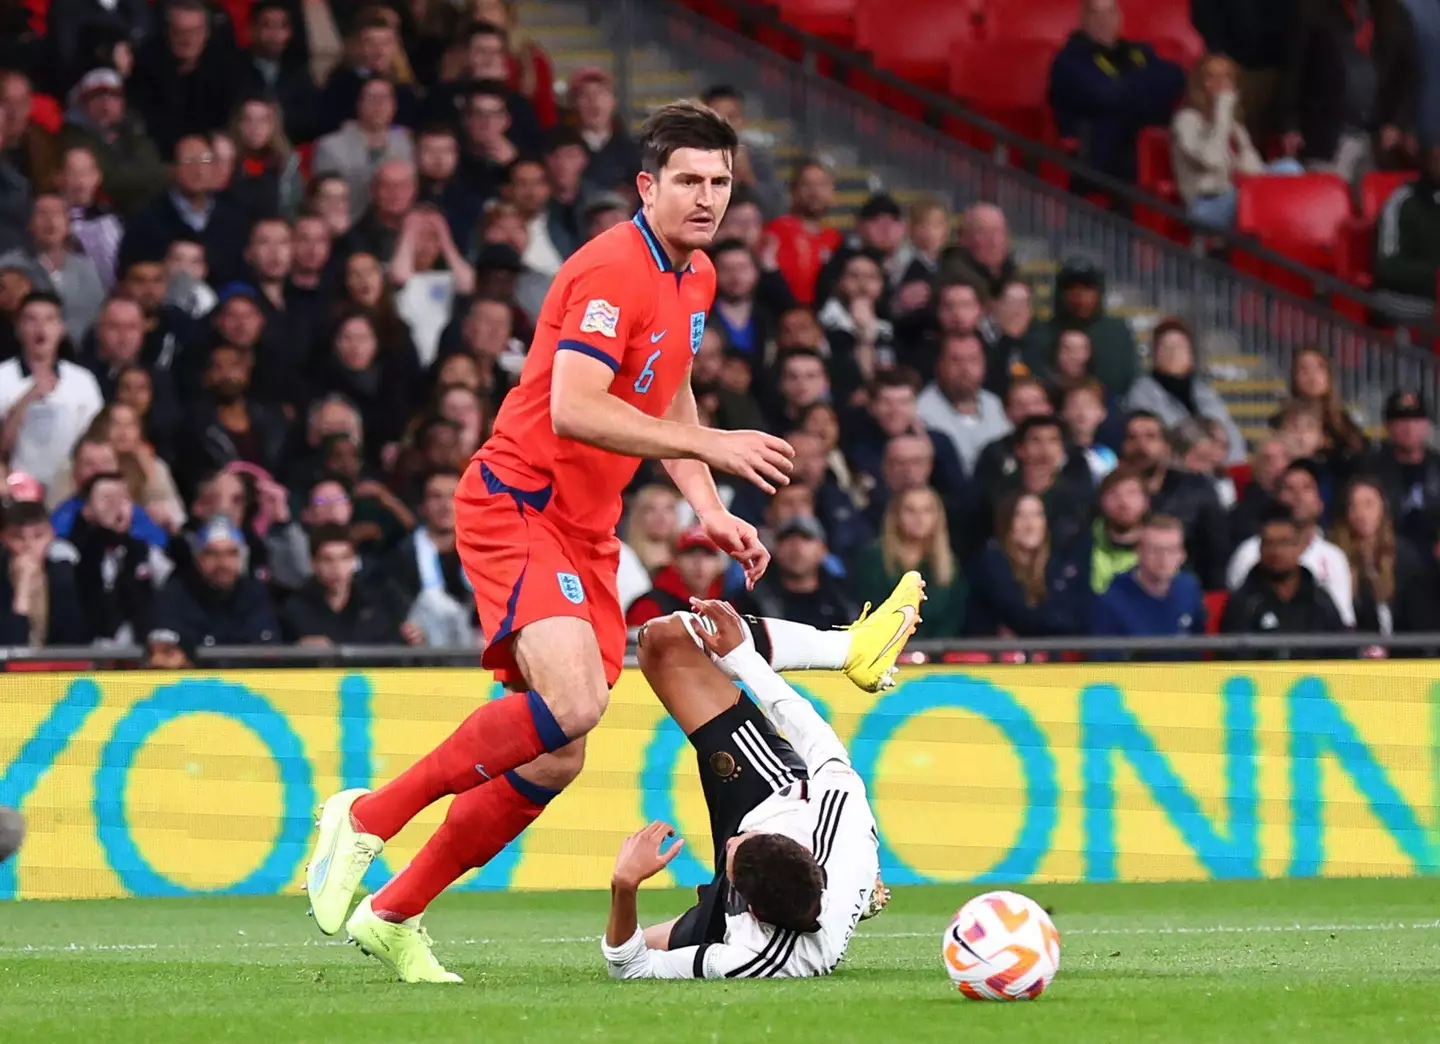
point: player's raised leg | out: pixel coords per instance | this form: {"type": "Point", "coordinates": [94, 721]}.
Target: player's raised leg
{"type": "Point", "coordinates": [866, 650]}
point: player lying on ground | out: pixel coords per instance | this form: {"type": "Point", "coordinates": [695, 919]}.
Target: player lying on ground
{"type": "Point", "coordinates": [796, 853]}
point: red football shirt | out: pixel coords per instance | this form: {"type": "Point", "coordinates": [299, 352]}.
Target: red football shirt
{"type": "Point", "coordinates": [617, 299]}
{"type": "Point", "coordinates": [800, 254]}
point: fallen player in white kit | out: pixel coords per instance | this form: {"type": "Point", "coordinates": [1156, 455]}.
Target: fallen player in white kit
{"type": "Point", "coordinates": [797, 863]}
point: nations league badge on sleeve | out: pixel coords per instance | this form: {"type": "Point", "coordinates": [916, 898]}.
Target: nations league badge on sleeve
{"type": "Point", "coordinates": [600, 317]}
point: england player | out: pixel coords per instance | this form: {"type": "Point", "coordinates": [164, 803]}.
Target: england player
{"type": "Point", "coordinates": [797, 856]}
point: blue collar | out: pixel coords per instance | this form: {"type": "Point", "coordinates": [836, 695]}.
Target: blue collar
{"type": "Point", "coordinates": [657, 252]}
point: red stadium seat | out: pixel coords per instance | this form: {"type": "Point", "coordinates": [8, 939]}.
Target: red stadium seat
{"type": "Point", "coordinates": [1300, 217]}
{"type": "Point", "coordinates": [1379, 186]}
{"type": "Point", "coordinates": [1165, 25]}
{"type": "Point", "coordinates": [1215, 602]}
{"type": "Point", "coordinates": [1052, 20]}
{"type": "Point", "coordinates": [1154, 169]}
{"type": "Point", "coordinates": [887, 29]}
{"type": "Point", "coordinates": [1185, 51]}
{"type": "Point", "coordinates": [46, 112]}
{"type": "Point", "coordinates": [1355, 245]}
{"type": "Point", "coordinates": [1007, 81]}
{"type": "Point", "coordinates": [832, 19]}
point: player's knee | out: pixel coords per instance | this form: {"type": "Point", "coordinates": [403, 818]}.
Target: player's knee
{"type": "Point", "coordinates": [557, 770]}
{"type": "Point", "coordinates": [660, 640]}
{"type": "Point", "coordinates": [582, 709]}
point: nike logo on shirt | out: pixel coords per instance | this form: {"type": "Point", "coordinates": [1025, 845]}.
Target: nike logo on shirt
{"type": "Point", "coordinates": [655, 338]}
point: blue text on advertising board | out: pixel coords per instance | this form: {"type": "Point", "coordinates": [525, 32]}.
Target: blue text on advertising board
{"type": "Point", "coordinates": [149, 784]}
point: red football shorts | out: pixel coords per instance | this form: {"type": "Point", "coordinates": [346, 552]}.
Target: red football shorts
{"type": "Point", "coordinates": [525, 568]}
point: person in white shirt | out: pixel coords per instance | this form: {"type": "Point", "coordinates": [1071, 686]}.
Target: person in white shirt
{"type": "Point", "coordinates": [1299, 492]}
{"type": "Point", "coordinates": [958, 404]}
{"type": "Point", "coordinates": [795, 842]}
{"type": "Point", "coordinates": [47, 403]}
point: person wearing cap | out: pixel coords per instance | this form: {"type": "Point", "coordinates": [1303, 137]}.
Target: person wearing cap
{"type": "Point", "coordinates": [614, 156]}
{"type": "Point", "coordinates": [880, 233]}
{"type": "Point", "coordinates": [59, 269]}
{"type": "Point", "coordinates": [697, 570]}
{"type": "Point", "coordinates": [215, 603]}
{"type": "Point", "coordinates": [797, 587]}
{"type": "Point", "coordinates": [117, 574]}
{"type": "Point", "coordinates": [1080, 305]}
{"type": "Point", "coordinates": [1407, 468]}
{"type": "Point", "coordinates": [99, 120]}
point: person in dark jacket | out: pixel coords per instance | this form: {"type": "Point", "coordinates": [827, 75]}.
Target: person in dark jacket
{"type": "Point", "coordinates": [1040, 458]}
{"type": "Point", "coordinates": [275, 69]}
{"type": "Point", "coordinates": [337, 607]}
{"type": "Point", "coordinates": [796, 587]}
{"type": "Point", "coordinates": [375, 53]}
{"type": "Point", "coordinates": [1189, 497]}
{"type": "Point", "coordinates": [117, 573]}
{"type": "Point", "coordinates": [1280, 596]}
{"type": "Point", "coordinates": [1407, 243]}
{"type": "Point", "coordinates": [891, 412]}
{"type": "Point", "coordinates": [227, 425]}
{"type": "Point", "coordinates": [1021, 585]}
{"type": "Point", "coordinates": [697, 570]}
{"type": "Point", "coordinates": [1080, 305]}
{"type": "Point", "coordinates": [1272, 458]}
{"type": "Point", "coordinates": [1105, 89]}
{"type": "Point", "coordinates": [1158, 598]}
{"type": "Point", "coordinates": [216, 603]}
{"type": "Point", "coordinates": [1407, 468]}
{"type": "Point", "coordinates": [184, 81]}
{"type": "Point", "coordinates": [130, 166]}
{"type": "Point", "coordinates": [39, 600]}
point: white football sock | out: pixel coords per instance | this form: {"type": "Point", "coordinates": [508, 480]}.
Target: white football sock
{"type": "Point", "coordinates": [800, 647]}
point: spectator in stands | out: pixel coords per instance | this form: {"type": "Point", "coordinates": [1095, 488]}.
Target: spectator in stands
{"type": "Point", "coordinates": [1267, 467]}
{"type": "Point", "coordinates": [802, 378]}
{"type": "Point", "coordinates": [157, 494]}
{"type": "Point", "coordinates": [337, 607]}
{"type": "Point", "coordinates": [696, 570]}
{"type": "Point", "coordinates": [744, 321]}
{"type": "Point", "coordinates": [834, 506]}
{"type": "Point", "coordinates": [531, 73]}
{"type": "Point", "coordinates": [1104, 89]}
{"type": "Point", "coordinates": [1157, 597]}
{"type": "Point", "coordinates": [1312, 381]}
{"type": "Point", "coordinates": [1026, 398]}
{"type": "Point", "coordinates": [614, 157]}
{"type": "Point", "coordinates": [226, 424]}
{"type": "Point", "coordinates": [1302, 425]}
{"type": "Point", "coordinates": [76, 29]}
{"type": "Point", "coordinates": [277, 70]}
{"type": "Point", "coordinates": [57, 268]}
{"type": "Point", "coordinates": [800, 243]}
{"type": "Point", "coordinates": [1040, 456]}
{"type": "Point", "coordinates": [1279, 595]}
{"type": "Point", "coordinates": [892, 409]}
{"type": "Point", "coordinates": [1387, 573]}
{"type": "Point", "coordinates": [1202, 448]}
{"type": "Point", "coordinates": [1083, 409]}
{"type": "Point", "coordinates": [1080, 305]}
{"type": "Point", "coordinates": [117, 573]}
{"type": "Point", "coordinates": [215, 603]}
{"type": "Point", "coordinates": [190, 208]}
{"type": "Point", "coordinates": [755, 168]}
{"type": "Point", "coordinates": [1405, 465]}
{"type": "Point", "coordinates": [499, 270]}
{"type": "Point", "coordinates": [1174, 391]}
{"type": "Point", "coordinates": [267, 181]}
{"type": "Point", "coordinates": [1407, 245]}
{"type": "Point", "coordinates": [957, 404]}
{"type": "Point", "coordinates": [1023, 585]}
{"type": "Point", "coordinates": [95, 455]}
{"type": "Point", "coordinates": [428, 274]}
{"type": "Point", "coordinates": [914, 269]}
{"type": "Point", "coordinates": [184, 82]}
{"type": "Point", "coordinates": [1350, 74]}
{"type": "Point", "coordinates": [1190, 498]}
{"type": "Point", "coordinates": [117, 340]}
{"type": "Point", "coordinates": [98, 120]}
{"type": "Point", "coordinates": [392, 197]}
{"type": "Point", "coordinates": [796, 587]}
{"type": "Point", "coordinates": [1299, 494]}
{"type": "Point", "coordinates": [187, 278]}
{"type": "Point", "coordinates": [982, 258]}
{"type": "Point", "coordinates": [96, 229]}
{"type": "Point", "coordinates": [1209, 145]}
{"type": "Point", "coordinates": [425, 568]}
{"type": "Point", "coordinates": [603, 212]}
{"type": "Point", "coordinates": [565, 159]}
{"type": "Point", "coordinates": [1067, 363]}
{"type": "Point", "coordinates": [1015, 343]}
{"type": "Point", "coordinates": [328, 198]}
{"type": "Point", "coordinates": [915, 535]}
{"type": "Point", "coordinates": [651, 526]}
{"type": "Point", "coordinates": [879, 232]}
{"type": "Point", "coordinates": [1259, 38]}
{"type": "Point", "coordinates": [528, 189]}
{"type": "Point", "coordinates": [15, 287]}
{"type": "Point", "coordinates": [47, 402]}
{"type": "Point", "coordinates": [437, 166]}
{"type": "Point", "coordinates": [375, 52]}
{"type": "Point", "coordinates": [14, 200]}
{"type": "Point", "coordinates": [362, 143]}
{"type": "Point", "coordinates": [30, 148]}
{"type": "Point", "coordinates": [860, 341]}
{"type": "Point", "coordinates": [1115, 535]}
{"type": "Point", "coordinates": [487, 63]}
{"type": "Point", "coordinates": [39, 600]}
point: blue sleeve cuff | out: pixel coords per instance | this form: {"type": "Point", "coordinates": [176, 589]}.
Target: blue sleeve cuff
{"type": "Point", "coordinates": [592, 351]}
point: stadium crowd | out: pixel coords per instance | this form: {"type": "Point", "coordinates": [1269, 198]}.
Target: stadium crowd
{"type": "Point", "coordinates": [265, 284]}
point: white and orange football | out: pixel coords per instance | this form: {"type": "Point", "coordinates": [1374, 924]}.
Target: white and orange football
{"type": "Point", "coordinates": [1001, 946]}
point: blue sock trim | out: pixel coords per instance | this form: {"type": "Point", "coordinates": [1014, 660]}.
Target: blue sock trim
{"type": "Point", "coordinates": [545, 724]}
{"type": "Point", "coordinates": [531, 792]}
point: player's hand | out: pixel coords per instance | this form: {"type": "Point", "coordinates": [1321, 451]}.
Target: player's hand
{"type": "Point", "coordinates": [723, 631]}
{"type": "Point", "coordinates": [758, 456]}
{"type": "Point", "coordinates": [643, 855]}
{"type": "Point", "coordinates": [740, 540]}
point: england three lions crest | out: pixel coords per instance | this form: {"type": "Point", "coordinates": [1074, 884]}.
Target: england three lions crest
{"type": "Point", "coordinates": [697, 331]}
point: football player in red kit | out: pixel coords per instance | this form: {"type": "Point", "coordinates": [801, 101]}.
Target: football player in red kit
{"type": "Point", "coordinates": [605, 386]}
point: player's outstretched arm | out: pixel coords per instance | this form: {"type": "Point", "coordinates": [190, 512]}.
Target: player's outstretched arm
{"type": "Point", "coordinates": [724, 636]}
{"type": "Point", "coordinates": [582, 408]}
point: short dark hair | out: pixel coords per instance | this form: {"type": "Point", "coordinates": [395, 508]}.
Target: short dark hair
{"type": "Point", "coordinates": [261, 6]}
{"type": "Point", "coordinates": [372, 17]}
{"type": "Point", "coordinates": [436, 129]}
{"type": "Point", "coordinates": [40, 297]}
{"type": "Point", "coordinates": [329, 533]}
{"type": "Point", "coordinates": [1170, 325]}
{"type": "Point", "coordinates": [897, 377]}
{"type": "Point", "coordinates": [1150, 415]}
{"type": "Point", "coordinates": [434, 473]}
{"type": "Point", "coordinates": [799, 353]}
{"type": "Point", "coordinates": [1122, 473]}
{"type": "Point", "coordinates": [193, 6]}
{"type": "Point", "coordinates": [1277, 514]}
{"type": "Point", "coordinates": [563, 136]}
{"type": "Point", "coordinates": [864, 254]}
{"type": "Point", "coordinates": [683, 125]}
{"type": "Point", "coordinates": [94, 480]}
{"type": "Point", "coordinates": [808, 163]}
{"type": "Point", "coordinates": [1306, 465]}
{"type": "Point", "coordinates": [26, 513]}
{"type": "Point", "coordinates": [721, 92]}
{"type": "Point", "coordinates": [780, 880]}
{"type": "Point", "coordinates": [1043, 420]}
{"type": "Point", "coordinates": [958, 284]}
{"type": "Point", "coordinates": [727, 246]}
{"type": "Point", "coordinates": [478, 28]}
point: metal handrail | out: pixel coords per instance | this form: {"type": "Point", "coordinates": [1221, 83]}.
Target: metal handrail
{"type": "Point", "coordinates": [755, 16]}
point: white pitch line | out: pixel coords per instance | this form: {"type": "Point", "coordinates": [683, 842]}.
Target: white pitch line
{"type": "Point", "coordinates": [1218, 929]}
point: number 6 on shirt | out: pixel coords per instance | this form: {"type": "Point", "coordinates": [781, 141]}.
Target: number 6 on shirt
{"type": "Point", "coordinates": [647, 375]}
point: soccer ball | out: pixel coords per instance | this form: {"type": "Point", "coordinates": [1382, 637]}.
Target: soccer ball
{"type": "Point", "coordinates": [1002, 947]}
{"type": "Point", "coordinates": [12, 832]}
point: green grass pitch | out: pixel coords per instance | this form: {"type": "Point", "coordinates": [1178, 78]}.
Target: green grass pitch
{"type": "Point", "coordinates": [1250, 962]}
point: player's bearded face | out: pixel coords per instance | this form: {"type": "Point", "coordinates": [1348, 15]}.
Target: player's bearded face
{"type": "Point", "coordinates": [686, 202]}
